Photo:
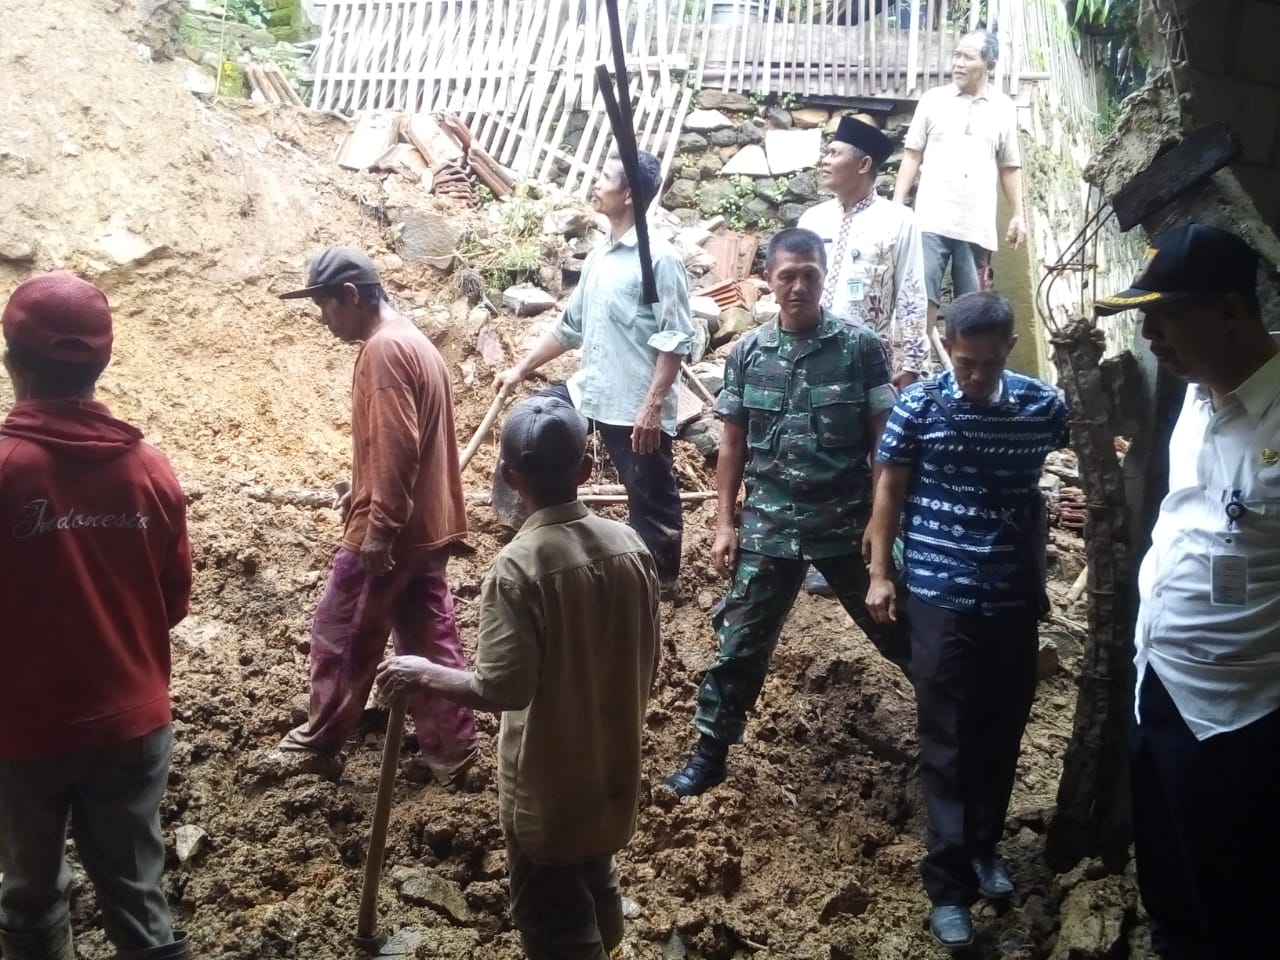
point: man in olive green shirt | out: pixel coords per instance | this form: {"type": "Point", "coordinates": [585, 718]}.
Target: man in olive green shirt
{"type": "Point", "coordinates": [804, 400]}
{"type": "Point", "coordinates": [568, 651]}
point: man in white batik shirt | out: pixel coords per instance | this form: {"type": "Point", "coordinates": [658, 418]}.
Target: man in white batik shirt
{"type": "Point", "coordinates": [875, 259]}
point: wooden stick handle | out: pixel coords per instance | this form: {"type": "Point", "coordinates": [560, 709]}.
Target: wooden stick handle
{"type": "Point", "coordinates": [368, 917]}
{"type": "Point", "coordinates": [483, 431]}
{"type": "Point", "coordinates": [697, 385]}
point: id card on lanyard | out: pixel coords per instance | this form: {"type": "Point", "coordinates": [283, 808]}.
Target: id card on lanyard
{"type": "Point", "coordinates": [1228, 564]}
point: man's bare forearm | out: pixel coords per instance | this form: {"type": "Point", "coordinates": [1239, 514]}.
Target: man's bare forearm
{"type": "Point", "coordinates": [665, 372]}
{"type": "Point", "coordinates": [891, 490]}
{"type": "Point", "coordinates": [461, 687]}
{"type": "Point", "coordinates": [731, 462]}
{"type": "Point", "coordinates": [906, 175]}
{"type": "Point", "coordinates": [1011, 184]}
{"type": "Point", "coordinates": [545, 350]}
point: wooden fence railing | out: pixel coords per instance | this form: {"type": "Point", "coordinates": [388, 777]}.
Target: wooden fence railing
{"type": "Point", "coordinates": [516, 70]}
{"type": "Point", "coordinates": [849, 48]}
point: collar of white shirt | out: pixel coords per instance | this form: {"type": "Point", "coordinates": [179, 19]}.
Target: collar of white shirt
{"type": "Point", "coordinates": [957, 92]}
{"type": "Point", "coordinates": [1256, 394]}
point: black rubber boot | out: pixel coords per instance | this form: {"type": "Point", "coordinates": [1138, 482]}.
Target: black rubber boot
{"type": "Point", "coordinates": [702, 771]}
{"type": "Point", "coordinates": [180, 949]}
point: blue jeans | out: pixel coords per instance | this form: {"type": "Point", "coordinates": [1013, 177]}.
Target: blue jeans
{"type": "Point", "coordinates": [966, 260]}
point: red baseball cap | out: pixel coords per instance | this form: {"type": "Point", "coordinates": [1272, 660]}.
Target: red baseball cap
{"type": "Point", "coordinates": [60, 318]}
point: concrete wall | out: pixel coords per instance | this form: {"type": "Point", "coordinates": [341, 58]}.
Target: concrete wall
{"type": "Point", "coordinates": [1234, 67]}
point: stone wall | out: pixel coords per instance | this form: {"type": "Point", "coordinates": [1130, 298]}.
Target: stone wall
{"type": "Point", "coordinates": [754, 163]}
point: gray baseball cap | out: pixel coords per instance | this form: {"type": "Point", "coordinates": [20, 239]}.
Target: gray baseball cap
{"type": "Point", "coordinates": [333, 268]}
{"type": "Point", "coordinates": [544, 437]}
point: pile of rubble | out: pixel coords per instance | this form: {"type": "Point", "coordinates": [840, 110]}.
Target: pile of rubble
{"type": "Point", "coordinates": [435, 151]}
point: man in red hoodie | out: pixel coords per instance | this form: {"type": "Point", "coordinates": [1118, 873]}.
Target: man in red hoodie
{"type": "Point", "coordinates": [96, 569]}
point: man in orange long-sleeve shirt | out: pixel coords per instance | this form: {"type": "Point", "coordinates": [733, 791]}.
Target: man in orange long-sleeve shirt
{"type": "Point", "coordinates": [405, 509]}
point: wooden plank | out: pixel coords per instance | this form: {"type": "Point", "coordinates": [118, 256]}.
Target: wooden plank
{"type": "Point", "coordinates": [673, 135]}
{"type": "Point", "coordinates": [357, 36]}
{"type": "Point", "coordinates": [913, 49]}
{"type": "Point", "coordinates": [438, 28]}
{"type": "Point", "coordinates": [415, 16]}
{"type": "Point", "coordinates": [808, 49]}
{"type": "Point", "coordinates": [1015, 54]}
{"type": "Point", "coordinates": [505, 139]}
{"type": "Point", "coordinates": [663, 40]}
{"type": "Point", "coordinates": [869, 25]}
{"type": "Point", "coordinates": [423, 84]}
{"type": "Point", "coordinates": [706, 40]}
{"type": "Point", "coordinates": [551, 48]}
{"type": "Point", "coordinates": [432, 140]}
{"type": "Point", "coordinates": [384, 55]}
{"type": "Point", "coordinates": [562, 97]}
{"type": "Point", "coordinates": [770, 32]}
{"type": "Point", "coordinates": [942, 35]}
{"type": "Point", "coordinates": [324, 51]}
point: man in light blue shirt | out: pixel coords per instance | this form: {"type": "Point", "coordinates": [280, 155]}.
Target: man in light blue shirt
{"type": "Point", "coordinates": [631, 353]}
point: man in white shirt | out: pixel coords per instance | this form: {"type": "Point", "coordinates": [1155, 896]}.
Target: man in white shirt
{"type": "Point", "coordinates": [966, 136]}
{"type": "Point", "coordinates": [1206, 781]}
{"type": "Point", "coordinates": [875, 264]}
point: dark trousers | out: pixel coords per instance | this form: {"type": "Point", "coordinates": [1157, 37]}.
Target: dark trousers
{"type": "Point", "coordinates": [653, 499]}
{"type": "Point", "coordinates": [749, 621]}
{"type": "Point", "coordinates": [565, 911]}
{"type": "Point", "coordinates": [975, 678]}
{"type": "Point", "coordinates": [1206, 820]}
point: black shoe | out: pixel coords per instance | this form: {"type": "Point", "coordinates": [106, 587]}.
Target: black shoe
{"type": "Point", "coordinates": [816, 584]}
{"type": "Point", "coordinates": [702, 771]}
{"type": "Point", "coordinates": [951, 925]}
{"type": "Point", "coordinates": [994, 882]}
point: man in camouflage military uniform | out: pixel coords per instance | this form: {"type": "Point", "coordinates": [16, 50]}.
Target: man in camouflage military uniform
{"type": "Point", "coordinates": [803, 404]}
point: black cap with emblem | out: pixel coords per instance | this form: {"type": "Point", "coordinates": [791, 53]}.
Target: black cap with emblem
{"type": "Point", "coordinates": [1192, 260]}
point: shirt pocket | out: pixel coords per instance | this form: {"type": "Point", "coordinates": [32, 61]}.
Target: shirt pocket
{"type": "Point", "coordinates": [1258, 534]}
{"type": "Point", "coordinates": [764, 411]}
{"type": "Point", "coordinates": [838, 414]}
{"type": "Point", "coordinates": [624, 303]}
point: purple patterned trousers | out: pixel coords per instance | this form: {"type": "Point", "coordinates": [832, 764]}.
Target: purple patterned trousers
{"type": "Point", "coordinates": [349, 640]}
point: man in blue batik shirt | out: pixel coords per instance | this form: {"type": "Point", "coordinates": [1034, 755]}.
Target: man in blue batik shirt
{"type": "Point", "coordinates": [960, 462]}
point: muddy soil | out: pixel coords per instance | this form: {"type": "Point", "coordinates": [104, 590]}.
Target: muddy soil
{"type": "Point", "coordinates": [193, 216]}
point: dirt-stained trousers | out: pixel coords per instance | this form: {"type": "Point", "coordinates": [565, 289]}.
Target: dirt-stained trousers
{"type": "Point", "coordinates": [748, 624]}
{"type": "Point", "coordinates": [569, 911]}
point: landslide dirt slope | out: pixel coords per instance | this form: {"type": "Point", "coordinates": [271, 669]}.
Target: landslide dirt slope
{"type": "Point", "coordinates": [192, 216]}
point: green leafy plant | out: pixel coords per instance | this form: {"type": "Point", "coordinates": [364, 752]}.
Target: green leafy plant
{"type": "Point", "coordinates": [252, 13]}
{"type": "Point", "coordinates": [732, 206]}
